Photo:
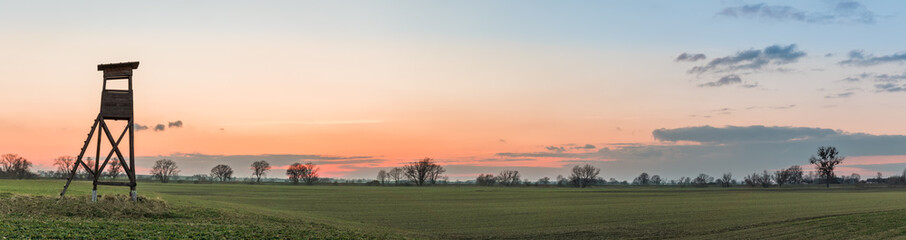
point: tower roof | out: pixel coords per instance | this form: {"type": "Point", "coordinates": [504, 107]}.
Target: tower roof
{"type": "Point", "coordinates": [130, 65]}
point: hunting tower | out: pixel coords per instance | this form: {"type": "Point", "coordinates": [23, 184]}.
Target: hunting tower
{"type": "Point", "coordinates": [116, 105]}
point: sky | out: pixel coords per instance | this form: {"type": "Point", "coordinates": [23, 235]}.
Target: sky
{"type": "Point", "coordinates": [673, 88]}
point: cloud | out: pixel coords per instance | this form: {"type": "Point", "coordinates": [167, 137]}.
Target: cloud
{"type": "Point", "coordinates": [843, 12]}
{"type": "Point", "coordinates": [556, 149]}
{"type": "Point", "coordinates": [587, 146]}
{"type": "Point", "coordinates": [690, 57]}
{"type": "Point", "coordinates": [752, 59]}
{"type": "Point", "coordinates": [885, 82]}
{"type": "Point", "coordinates": [159, 127]}
{"type": "Point", "coordinates": [728, 134]}
{"type": "Point", "coordinates": [502, 140]}
{"type": "Point", "coordinates": [740, 150]}
{"type": "Point", "coordinates": [139, 127]}
{"type": "Point", "coordinates": [859, 58]}
{"type": "Point", "coordinates": [840, 95]}
{"type": "Point", "coordinates": [890, 87]}
{"type": "Point", "coordinates": [176, 124]}
{"type": "Point", "coordinates": [725, 80]}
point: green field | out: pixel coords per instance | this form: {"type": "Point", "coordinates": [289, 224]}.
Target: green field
{"type": "Point", "coordinates": [464, 212]}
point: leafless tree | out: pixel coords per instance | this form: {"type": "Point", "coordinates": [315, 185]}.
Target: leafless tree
{"type": "Point", "coordinates": [486, 180]}
{"type": "Point", "coordinates": [382, 176]}
{"type": "Point", "coordinates": [64, 165]}
{"type": "Point", "coordinates": [781, 176]}
{"type": "Point", "coordinates": [825, 162]}
{"type": "Point", "coordinates": [702, 180]}
{"type": "Point", "coordinates": [422, 171]}
{"type": "Point", "coordinates": [13, 165]}
{"type": "Point", "coordinates": [222, 172]}
{"type": "Point", "coordinates": [259, 169]}
{"type": "Point", "coordinates": [656, 180]}
{"type": "Point", "coordinates": [642, 179]}
{"type": "Point", "coordinates": [584, 176]}
{"type": "Point", "coordinates": [396, 174]}
{"type": "Point", "coordinates": [114, 168]}
{"type": "Point", "coordinates": [310, 173]}
{"type": "Point", "coordinates": [508, 177]}
{"type": "Point", "coordinates": [726, 179]}
{"type": "Point", "coordinates": [795, 174]}
{"type": "Point", "coordinates": [295, 171]}
{"type": "Point", "coordinates": [544, 181]}
{"type": "Point", "coordinates": [164, 169]}
{"type": "Point", "coordinates": [765, 179]}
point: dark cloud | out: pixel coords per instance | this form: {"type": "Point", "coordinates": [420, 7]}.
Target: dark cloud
{"type": "Point", "coordinates": [690, 57]}
{"type": "Point", "coordinates": [502, 140]}
{"type": "Point", "coordinates": [176, 124]}
{"type": "Point", "coordinates": [859, 58]}
{"type": "Point", "coordinates": [752, 59]}
{"type": "Point", "coordinates": [708, 134]}
{"type": "Point", "coordinates": [741, 150]}
{"type": "Point", "coordinates": [726, 80]}
{"type": "Point", "coordinates": [556, 149]}
{"type": "Point", "coordinates": [843, 12]}
{"type": "Point", "coordinates": [159, 127]}
{"type": "Point", "coordinates": [587, 146]}
{"type": "Point", "coordinates": [139, 127]}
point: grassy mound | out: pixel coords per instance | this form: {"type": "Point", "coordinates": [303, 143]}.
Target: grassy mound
{"type": "Point", "coordinates": [107, 206]}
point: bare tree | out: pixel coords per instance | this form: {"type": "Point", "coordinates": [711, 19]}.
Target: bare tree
{"type": "Point", "coordinates": [642, 179]}
{"type": "Point", "coordinates": [826, 161]}
{"type": "Point", "coordinates": [765, 179]}
{"type": "Point", "coordinates": [544, 181]}
{"type": "Point", "coordinates": [64, 165]}
{"type": "Point", "coordinates": [726, 180]}
{"type": "Point", "coordinates": [114, 168]}
{"type": "Point", "coordinates": [294, 172]}
{"type": "Point", "coordinates": [421, 172]}
{"type": "Point", "coordinates": [310, 173]}
{"type": "Point", "coordinates": [795, 174]}
{"type": "Point", "coordinates": [702, 180]}
{"type": "Point", "coordinates": [164, 169]}
{"type": "Point", "coordinates": [584, 176]}
{"type": "Point", "coordinates": [382, 176]}
{"type": "Point", "coordinates": [259, 169]}
{"type": "Point", "coordinates": [486, 180]}
{"type": "Point", "coordinates": [222, 172]}
{"type": "Point", "coordinates": [855, 178]}
{"type": "Point", "coordinates": [508, 177]}
{"type": "Point", "coordinates": [396, 174]}
{"type": "Point", "coordinates": [13, 165]}
{"type": "Point", "coordinates": [781, 176]}
{"type": "Point", "coordinates": [435, 173]}
{"type": "Point", "coordinates": [656, 180]}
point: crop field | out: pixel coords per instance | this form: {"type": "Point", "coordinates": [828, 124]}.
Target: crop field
{"type": "Point", "coordinates": [29, 209]}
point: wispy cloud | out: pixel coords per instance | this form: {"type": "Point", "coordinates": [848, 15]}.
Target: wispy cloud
{"type": "Point", "coordinates": [725, 80]}
{"type": "Point", "coordinates": [690, 57]}
{"type": "Point", "coordinates": [860, 58]}
{"type": "Point", "coordinates": [845, 12]}
{"type": "Point", "coordinates": [752, 59]}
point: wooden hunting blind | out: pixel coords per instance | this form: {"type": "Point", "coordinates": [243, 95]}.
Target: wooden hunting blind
{"type": "Point", "coordinates": [116, 105]}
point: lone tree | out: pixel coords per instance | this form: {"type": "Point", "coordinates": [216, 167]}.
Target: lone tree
{"type": "Point", "coordinates": [508, 177]}
{"type": "Point", "coordinates": [825, 162]}
{"type": "Point", "coordinates": [164, 169]}
{"type": "Point", "coordinates": [64, 165]}
{"type": "Point", "coordinates": [584, 176]}
{"type": "Point", "coordinates": [222, 172]}
{"type": "Point", "coordinates": [259, 169]}
{"type": "Point", "coordinates": [486, 180]}
{"type": "Point", "coordinates": [423, 171]}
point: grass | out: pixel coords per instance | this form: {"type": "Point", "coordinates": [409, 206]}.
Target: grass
{"type": "Point", "coordinates": [460, 212]}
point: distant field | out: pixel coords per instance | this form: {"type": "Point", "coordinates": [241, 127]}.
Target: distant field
{"type": "Point", "coordinates": [283, 211]}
